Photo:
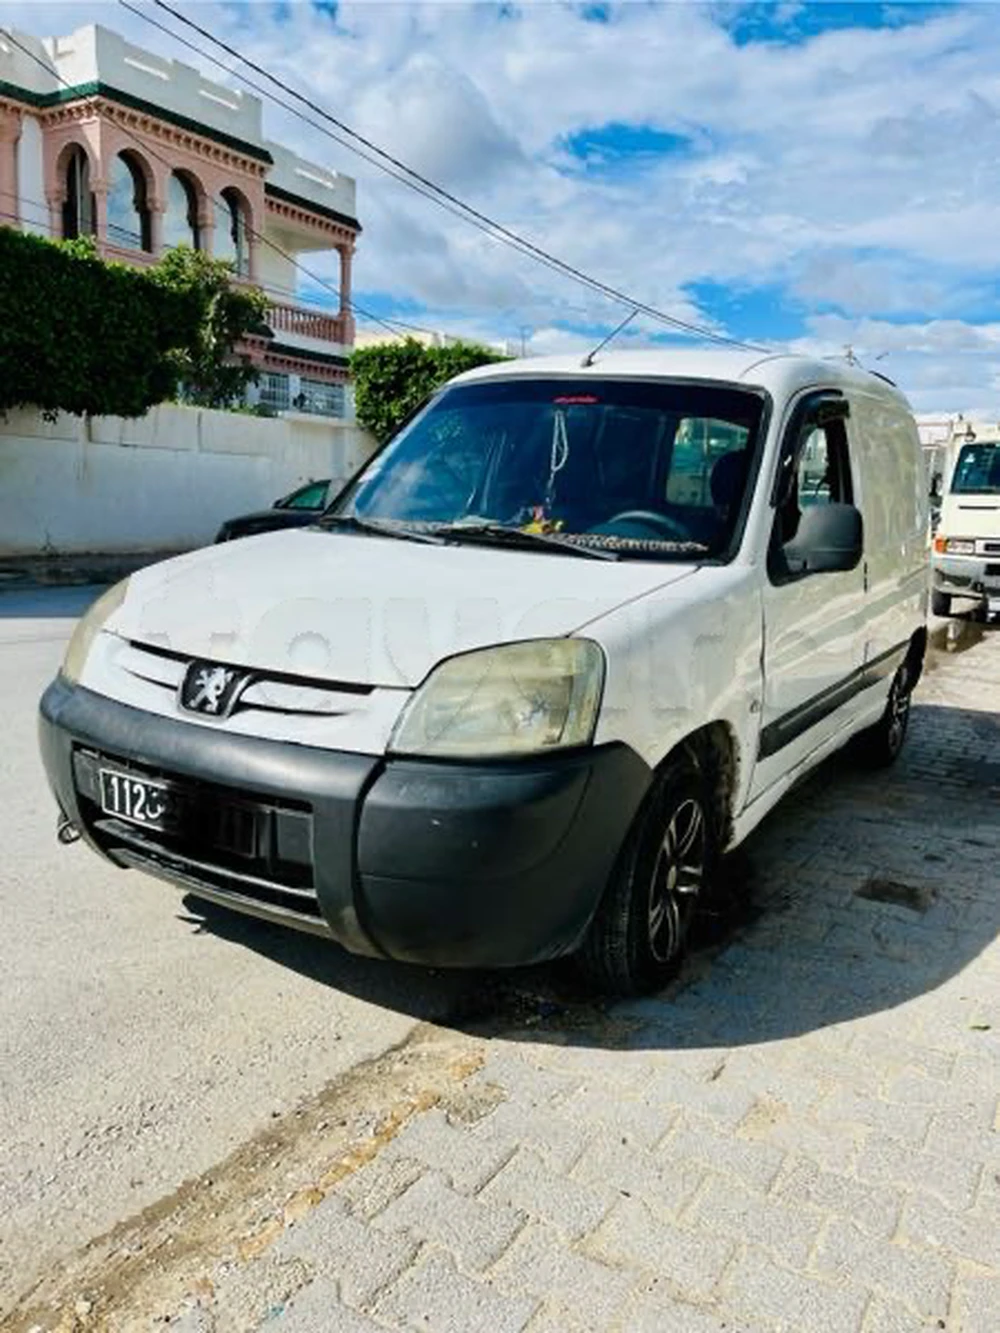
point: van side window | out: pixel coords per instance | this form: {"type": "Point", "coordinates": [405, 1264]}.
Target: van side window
{"type": "Point", "coordinates": [821, 474]}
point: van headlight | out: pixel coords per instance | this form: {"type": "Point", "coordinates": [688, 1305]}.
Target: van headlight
{"type": "Point", "coordinates": [520, 698]}
{"type": "Point", "coordinates": [960, 546]}
{"type": "Point", "coordinates": [88, 628]}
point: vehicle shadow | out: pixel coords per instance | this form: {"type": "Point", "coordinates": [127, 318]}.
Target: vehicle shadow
{"type": "Point", "coordinates": [42, 603]}
{"type": "Point", "coordinates": [957, 634]}
{"type": "Point", "coordinates": [427, 994]}
{"type": "Point", "coordinates": [860, 892]}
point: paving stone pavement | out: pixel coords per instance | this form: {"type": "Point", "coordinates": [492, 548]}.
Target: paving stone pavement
{"type": "Point", "coordinates": [802, 1135]}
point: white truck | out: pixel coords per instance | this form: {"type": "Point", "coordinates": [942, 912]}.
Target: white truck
{"type": "Point", "coordinates": [965, 560]}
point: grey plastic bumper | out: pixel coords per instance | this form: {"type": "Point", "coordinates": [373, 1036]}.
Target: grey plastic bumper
{"type": "Point", "coordinates": [449, 864]}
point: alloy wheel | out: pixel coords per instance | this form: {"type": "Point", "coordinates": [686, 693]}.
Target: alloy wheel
{"type": "Point", "coordinates": [676, 879]}
{"type": "Point", "coordinates": [898, 712]}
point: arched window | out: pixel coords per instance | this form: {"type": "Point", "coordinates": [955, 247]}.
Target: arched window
{"type": "Point", "coordinates": [78, 208]}
{"type": "Point", "coordinates": [180, 223]}
{"type": "Point", "coordinates": [128, 207]}
{"type": "Point", "coordinates": [231, 236]}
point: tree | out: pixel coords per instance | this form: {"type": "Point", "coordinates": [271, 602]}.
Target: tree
{"type": "Point", "coordinates": [210, 372]}
{"type": "Point", "coordinates": [391, 380]}
{"type": "Point", "coordinates": [78, 335]}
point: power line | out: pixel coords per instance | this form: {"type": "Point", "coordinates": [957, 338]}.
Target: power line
{"type": "Point", "coordinates": [321, 129]}
{"type": "Point", "coordinates": [391, 325]}
{"type": "Point", "coordinates": [399, 170]}
{"type": "Point", "coordinates": [313, 124]}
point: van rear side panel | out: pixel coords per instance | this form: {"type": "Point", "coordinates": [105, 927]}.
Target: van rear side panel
{"type": "Point", "coordinates": [891, 489]}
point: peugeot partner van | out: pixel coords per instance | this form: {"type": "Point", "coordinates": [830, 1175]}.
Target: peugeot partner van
{"type": "Point", "coordinates": [966, 556]}
{"type": "Point", "coordinates": [567, 638]}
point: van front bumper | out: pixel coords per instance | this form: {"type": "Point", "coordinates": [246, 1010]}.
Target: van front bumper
{"type": "Point", "coordinates": [967, 575]}
{"type": "Point", "coordinates": [446, 864]}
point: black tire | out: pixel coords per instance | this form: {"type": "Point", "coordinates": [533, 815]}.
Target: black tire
{"type": "Point", "coordinates": [940, 603]}
{"type": "Point", "coordinates": [641, 927]}
{"type": "Point", "coordinates": [880, 745]}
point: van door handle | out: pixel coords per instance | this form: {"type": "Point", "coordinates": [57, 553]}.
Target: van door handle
{"type": "Point", "coordinates": [864, 567]}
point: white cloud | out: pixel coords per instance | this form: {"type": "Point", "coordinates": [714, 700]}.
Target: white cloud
{"type": "Point", "coordinates": [943, 365]}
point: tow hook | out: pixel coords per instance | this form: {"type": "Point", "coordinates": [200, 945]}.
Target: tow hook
{"type": "Point", "coordinates": [66, 831]}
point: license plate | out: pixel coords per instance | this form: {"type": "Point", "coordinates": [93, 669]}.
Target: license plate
{"type": "Point", "coordinates": [136, 799]}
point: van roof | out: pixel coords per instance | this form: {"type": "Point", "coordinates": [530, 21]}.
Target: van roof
{"type": "Point", "coordinates": [780, 373]}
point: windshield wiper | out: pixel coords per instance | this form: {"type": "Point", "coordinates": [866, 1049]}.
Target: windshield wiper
{"type": "Point", "coordinates": [498, 534]}
{"type": "Point", "coordinates": [375, 528]}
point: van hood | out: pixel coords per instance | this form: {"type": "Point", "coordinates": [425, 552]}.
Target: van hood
{"type": "Point", "coordinates": [368, 610]}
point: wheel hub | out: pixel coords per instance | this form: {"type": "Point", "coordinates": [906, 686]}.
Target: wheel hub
{"type": "Point", "coordinates": [676, 879]}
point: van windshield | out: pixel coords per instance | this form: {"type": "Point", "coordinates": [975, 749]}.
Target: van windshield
{"type": "Point", "coordinates": [977, 471]}
{"type": "Point", "coordinates": [641, 468]}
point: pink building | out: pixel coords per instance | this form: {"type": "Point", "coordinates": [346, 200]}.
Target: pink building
{"type": "Point", "coordinates": [103, 138]}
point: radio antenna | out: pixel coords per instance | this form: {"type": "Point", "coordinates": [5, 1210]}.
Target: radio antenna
{"type": "Point", "coordinates": [588, 360]}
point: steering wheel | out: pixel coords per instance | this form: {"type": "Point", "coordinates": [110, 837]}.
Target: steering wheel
{"type": "Point", "coordinates": [663, 526]}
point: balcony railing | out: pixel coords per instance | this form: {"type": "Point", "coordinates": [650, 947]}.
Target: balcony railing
{"type": "Point", "coordinates": [295, 319]}
{"type": "Point", "coordinates": [123, 254]}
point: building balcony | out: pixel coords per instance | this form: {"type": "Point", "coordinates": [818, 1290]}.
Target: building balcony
{"type": "Point", "coordinates": [126, 254]}
{"type": "Point", "coordinates": [302, 359]}
{"type": "Point", "coordinates": [300, 326]}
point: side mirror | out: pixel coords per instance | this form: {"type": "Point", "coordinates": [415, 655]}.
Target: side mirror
{"type": "Point", "coordinates": [936, 486]}
{"type": "Point", "coordinates": [830, 538]}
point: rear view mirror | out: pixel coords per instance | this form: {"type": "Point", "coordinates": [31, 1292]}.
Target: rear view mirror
{"type": "Point", "coordinates": [830, 537]}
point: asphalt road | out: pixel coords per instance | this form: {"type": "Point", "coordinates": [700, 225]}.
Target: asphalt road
{"type": "Point", "coordinates": [141, 1041]}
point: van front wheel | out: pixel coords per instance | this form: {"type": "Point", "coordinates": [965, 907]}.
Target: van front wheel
{"type": "Point", "coordinates": [641, 927]}
{"type": "Point", "coordinates": [940, 603]}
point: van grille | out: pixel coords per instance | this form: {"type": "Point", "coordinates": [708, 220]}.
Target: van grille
{"type": "Point", "coordinates": [267, 692]}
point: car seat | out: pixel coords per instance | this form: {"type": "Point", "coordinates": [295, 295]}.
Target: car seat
{"type": "Point", "coordinates": [727, 482]}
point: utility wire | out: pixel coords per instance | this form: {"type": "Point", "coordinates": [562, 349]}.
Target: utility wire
{"type": "Point", "coordinates": [320, 128]}
{"type": "Point", "coordinates": [392, 325]}
{"type": "Point", "coordinates": [228, 69]}
{"type": "Point", "coordinates": [399, 170]}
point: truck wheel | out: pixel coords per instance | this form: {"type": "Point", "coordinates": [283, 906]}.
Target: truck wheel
{"type": "Point", "coordinates": [639, 932]}
{"type": "Point", "coordinates": [940, 603]}
{"type": "Point", "coordinates": [879, 746]}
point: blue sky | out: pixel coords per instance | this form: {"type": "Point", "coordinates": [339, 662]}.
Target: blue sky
{"type": "Point", "coordinates": [795, 23]}
{"type": "Point", "coordinates": [804, 175]}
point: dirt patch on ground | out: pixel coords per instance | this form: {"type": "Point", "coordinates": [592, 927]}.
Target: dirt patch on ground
{"type": "Point", "coordinates": [236, 1211]}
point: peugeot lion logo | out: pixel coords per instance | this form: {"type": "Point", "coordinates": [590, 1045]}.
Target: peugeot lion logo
{"type": "Point", "coordinates": [212, 690]}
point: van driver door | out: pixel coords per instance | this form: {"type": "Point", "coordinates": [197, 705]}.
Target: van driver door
{"type": "Point", "coordinates": [812, 620]}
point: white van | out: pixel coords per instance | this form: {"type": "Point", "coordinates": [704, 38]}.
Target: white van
{"type": "Point", "coordinates": [966, 556]}
{"type": "Point", "coordinates": [567, 638]}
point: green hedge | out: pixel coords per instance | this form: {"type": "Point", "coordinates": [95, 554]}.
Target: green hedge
{"type": "Point", "coordinates": [78, 335]}
{"type": "Point", "coordinates": [392, 379]}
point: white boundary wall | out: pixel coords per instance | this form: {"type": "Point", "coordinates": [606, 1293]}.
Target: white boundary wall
{"type": "Point", "coordinates": [163, 482]}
